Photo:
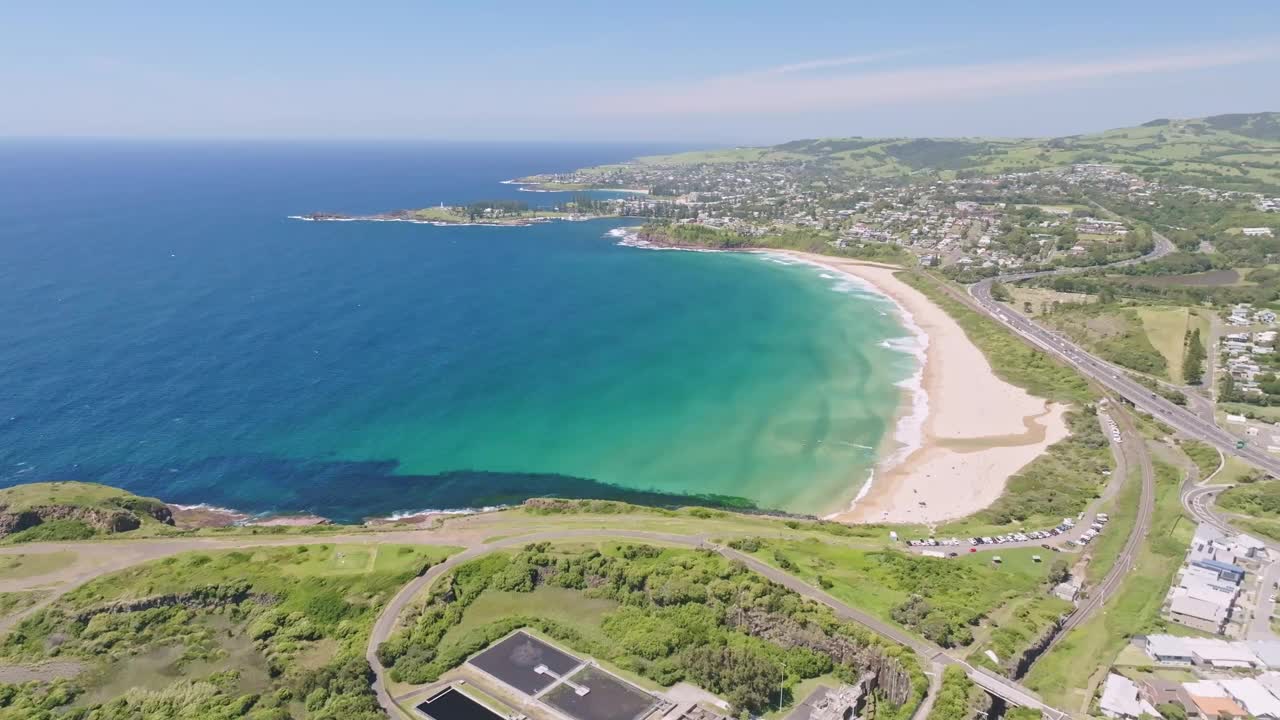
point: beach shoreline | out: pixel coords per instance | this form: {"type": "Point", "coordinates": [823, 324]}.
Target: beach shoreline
{"type": "Point", "coordinates": [974, 430]}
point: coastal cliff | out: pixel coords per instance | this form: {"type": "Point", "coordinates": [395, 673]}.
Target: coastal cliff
{"type": "Point", "coordinates": [77, 510]}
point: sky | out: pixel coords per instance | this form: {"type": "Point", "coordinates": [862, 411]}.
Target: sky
{"type": "Point", "coordinates": [733, 72]}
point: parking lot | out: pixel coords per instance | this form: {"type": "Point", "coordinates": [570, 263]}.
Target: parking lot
{"type": "Point", "coordinates": [1067, 534]}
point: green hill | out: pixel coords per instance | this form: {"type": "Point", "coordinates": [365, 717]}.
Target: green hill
{"type": "Point", "coordinates": [74, 511]}
{"type": "Point", "coordinates": [1238, 151]}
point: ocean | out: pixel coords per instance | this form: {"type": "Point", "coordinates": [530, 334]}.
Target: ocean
{"type": "Point", "coordinates": [169, 330]}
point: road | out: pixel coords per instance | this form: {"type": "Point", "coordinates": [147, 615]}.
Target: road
{"type": "Point", "coordinates": [1198, 500]}
{"type": "Point", "coordinates": [931, 654]}
{"type": "Point", "coordinates": [1114, 378]}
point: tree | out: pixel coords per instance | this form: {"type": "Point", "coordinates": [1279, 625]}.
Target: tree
{"type": "Point", "coordinates": [1172, 711]}
{"type": "Point", "coordinates": [1193, 365]}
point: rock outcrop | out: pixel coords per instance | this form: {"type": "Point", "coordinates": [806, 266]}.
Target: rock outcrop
{"type": "Point", "coordinates": [123, 515]}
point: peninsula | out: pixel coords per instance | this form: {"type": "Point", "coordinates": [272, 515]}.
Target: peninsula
{"type": "Point", "coordinates": [501, 213]}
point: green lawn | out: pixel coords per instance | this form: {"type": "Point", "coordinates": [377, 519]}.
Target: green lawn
{"type": "Point", "coordinates": [1167, 331]}
{"type": "Point", "coordinates": [21, 497]}
{"type": "Point", "coordinates": [264, 566]}
{"type": "Point", "coordinates": [570, 607]}
{"type": "Point", "coordinates": [958, 589]}
{"type": "Point", "coordinates": [27, 565]}
{"type": "Point", "coordinates": [1123, 509]}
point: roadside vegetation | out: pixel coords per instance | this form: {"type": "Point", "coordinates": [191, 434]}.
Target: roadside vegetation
{"type": "Point", "coordinates": [268, 634]}
{"type": "Point", "coordinates": [1205, 456]}
{"type": "Point", "coordinates": [1012, 360]}
{"type": "Point", "coordinates": [1113, 333]}
{"type": "Point", "coordinates": [1067, 675]}
{"type": "Point", "coordinates": [942, 600]}
{"type": "Point", "coordinates": [662, 614]}
{"type": "Point", "coordinates": [959, 697]}
{"type": "Point", "coordinates": [1255, 498]}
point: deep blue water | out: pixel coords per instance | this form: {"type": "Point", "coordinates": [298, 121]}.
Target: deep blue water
{"type": "Point", "coordinates": [169, 330]}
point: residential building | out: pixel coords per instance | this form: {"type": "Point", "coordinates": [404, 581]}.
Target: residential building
{"type": "Point", "coordinates": [1120, 699]}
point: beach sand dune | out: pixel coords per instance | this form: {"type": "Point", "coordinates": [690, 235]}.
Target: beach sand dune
{"type": "Point", "coordinates": [979, 430]}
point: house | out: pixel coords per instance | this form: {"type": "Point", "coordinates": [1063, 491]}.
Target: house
{"type": "Point", "coordinates": [1212, 700]}
{"type": "Point", "coordinates": [1170, 650]}
{"type": "Point", "coordinates": [1226, 571]}
{"type": "Point", "coordinates": [1120, 699]}
{"type": "Point", "coordinates": [1268, 652]}
{"type": "Point", "coordinates": [1200, 614]}
{"type": "Point", "coordinates": [1256, 231]}
{"type": "Point", "coordinates": [1159, 692]}
{"type": "Point", "coordinates": [1255, 698]}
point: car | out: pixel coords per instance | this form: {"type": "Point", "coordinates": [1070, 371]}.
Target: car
{"type": "Point", "coordinates": [1272, 598]}
{"type": "Point", "coordinates": [973, 550]}
{"type": "Point", "coordinates": [953, 554]}
{"type": "Point", "coordinates": [1046, 546]}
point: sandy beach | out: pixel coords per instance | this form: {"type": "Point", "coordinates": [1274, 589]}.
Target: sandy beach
{"type": "Point", "coordinates": [978, 431]}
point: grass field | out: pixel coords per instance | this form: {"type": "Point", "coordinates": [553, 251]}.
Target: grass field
{"type": "Point", "coordinates": [1205, 456]}
{"type": "Point", "coordinates": [1115, 333]}
{"type": "Point", "coordinates": [12, 602]}
{"type": "Point", "coordinates": [1015, 627]}
{"type": "Point", "coordinates": [1167, 330]}
{"type": "Point", "coordinates": [1067, 676]}
{"type": "Point", "coordinates": [879, 582]}
{"type": "Point", "coordinates": [1033, 301]}
{"type": "Point", "coordinates": [1123, 509]}
{"type": "Point", "coordinates": [570, 607]}
{"type": "Point", "coordinates": [28, 565]}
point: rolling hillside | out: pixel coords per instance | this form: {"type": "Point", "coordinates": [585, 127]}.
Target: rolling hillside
{"type": "Point", "coordinates": [1240, 151]}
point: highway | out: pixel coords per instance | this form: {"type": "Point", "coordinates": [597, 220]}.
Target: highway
{"type": "Point", "coordinates": [1111, 376]}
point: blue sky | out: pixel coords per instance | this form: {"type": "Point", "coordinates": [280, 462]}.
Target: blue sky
{"type": "Point", "coordinates": [722, 72]}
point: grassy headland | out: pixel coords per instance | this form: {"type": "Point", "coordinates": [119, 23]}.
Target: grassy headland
{"type": "Point", "coordinates": [264, 633]}
{"type": "Point", "coordinates": [74, 511]}
{"type": "Point", "coordinates": [659, 614]}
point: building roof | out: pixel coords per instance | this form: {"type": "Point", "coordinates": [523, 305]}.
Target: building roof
{"type": "Point", "coordinates": [1268, 651]}
{"type": "Point", "coordinates": [1204, 688]}
{"type": "Point", "coordinates": [1220, 566]}
{"type": "Point", "coordinates": [1249, 541]}
{"type": "Point", "coordinates": [1120, 697]}
{"type": "Point", "coordinates": [1270, 681]}
{"type": "Point", "coordinates": [1222, 652]}
{"type": "Point", "coordinates": [1197, 608]}
{"type": "Point", "coordinates": [1212, 707]}
{"type": "Point", "coordinates": [1253, 696]}
{"type": "Point", "coordinates": [1206, 650]}
{"type": "Point", "coordinates": [1168, 646]}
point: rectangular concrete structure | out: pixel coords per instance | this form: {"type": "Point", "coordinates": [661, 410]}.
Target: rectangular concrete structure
{"type": "Point", "coordinates": [525, 663]}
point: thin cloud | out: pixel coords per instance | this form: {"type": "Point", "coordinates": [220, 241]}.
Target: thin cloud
{"type": "Point", "coordinates": [836, 62]}
{"type": "Point", "coordinates": [785, 93]}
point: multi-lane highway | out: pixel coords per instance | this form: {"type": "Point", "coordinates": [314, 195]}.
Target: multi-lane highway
{"type": "Point", "coordinates": [1112, 377]}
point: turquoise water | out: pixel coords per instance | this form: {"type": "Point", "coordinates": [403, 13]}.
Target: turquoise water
{"type": "Point", "coordinates": [175, 334]}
